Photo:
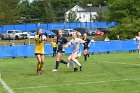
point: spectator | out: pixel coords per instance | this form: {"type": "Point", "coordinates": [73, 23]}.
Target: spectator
{"type": "Point", "coordinates": [13, 44]}
{"type": "Point", "coordinates": [118, 37]}
{"type": "Point", "coordinates": [93, 39]}
{"type": "Point", "coordinates": [25, 43]}
{"type": "Point", "coordinates": [138, 41]}
{"type": "Point", "coordinates": [107, 39]}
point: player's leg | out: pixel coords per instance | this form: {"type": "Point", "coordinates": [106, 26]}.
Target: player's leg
{"type": "Point", "coordinates": [74, 56]}
{"type": "Point", "coordinates": [54, 51]}
{"type": "Point", "coordinates": [42, 61]}
{"type": "Point", "coordinates": [85, 54]}
{"type": "Point", "coordinates": [139, 50]}
{"type": "Point", "coordinates": [58, 58]}
{"type": "Point", "coordinates": [72, 64]}
{"type": "Point", "coordinates": [39, 62]}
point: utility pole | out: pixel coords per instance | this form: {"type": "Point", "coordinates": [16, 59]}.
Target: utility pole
{"type": "Point", "coordinates": [90, 5]}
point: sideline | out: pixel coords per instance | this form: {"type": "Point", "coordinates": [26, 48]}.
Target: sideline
{"type": "Point", "coordinates": [7, 88]}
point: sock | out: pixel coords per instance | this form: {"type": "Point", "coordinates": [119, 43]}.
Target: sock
{"type": "Point", "coordinates": [41, 65]}
{"type": "Point", "coordinates": [57, 65]}
{"type": "Point", "coordinates": [62, 61]}
{"type": "Point", "coordinates": [85, 56]}
{"type": "Point", "coordinates": [77, 62]}
{"type": "Point", "coordinates": [72, 64]}
{"type": "Point", "coordinates": [88, 55]}
{"type": "Point", "coordinates": [38, 66]}
{"type": "Point", "coordinates": [53, 54]}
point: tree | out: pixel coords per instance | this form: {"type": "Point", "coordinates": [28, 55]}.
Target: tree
{"type": "Point", "coordinates": [72, 17]}
{"type": "Point", "coordinates": [126, 14]}
{"type": "Point", "coordinates": [9, 11]}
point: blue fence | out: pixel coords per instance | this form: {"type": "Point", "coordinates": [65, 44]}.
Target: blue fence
{"type": "Point", "coordinates": [95, 47]}
{"type": "Point", "coordinates": [49, 26]}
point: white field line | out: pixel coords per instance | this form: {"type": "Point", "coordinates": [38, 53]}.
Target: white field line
{"type": "Point", "coordinates": [81, 83]}
{"type": "Point", "coordinates": [7, 88]}
{"type": "Point", "coordinates": [113, 62]}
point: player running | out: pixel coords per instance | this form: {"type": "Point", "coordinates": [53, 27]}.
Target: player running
{"type": "Point", "coordinates": [39, 50]}
{"type": "Point", "coordinates": [61, 41]}
{"type": "Point", "coordinates": [76, 53]}
{"type": "Point", "coordinates": [86, 46]}
{"type": "Point", "coordinates": [138, 41]}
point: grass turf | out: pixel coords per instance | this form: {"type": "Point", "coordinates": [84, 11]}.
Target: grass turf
{"type": "Point", "coordinates": [102, 73]}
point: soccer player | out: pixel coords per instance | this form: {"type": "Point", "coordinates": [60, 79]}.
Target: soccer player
{"type": "Point", "coordinates": [138, 41]}
{"type": "Point", "coordinates": [39, 51]}
{"type": "Point", "coordinates": [86, 46]}
{"type": "Point", "coordinates": [76, 53]}
{"type": "Point", "coordinates": [61, 41]}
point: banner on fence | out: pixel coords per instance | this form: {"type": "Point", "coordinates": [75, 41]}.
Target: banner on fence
{"type": "Point", "coordinates": [95, 47]}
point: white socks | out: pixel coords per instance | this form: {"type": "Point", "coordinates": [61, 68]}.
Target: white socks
{"type": "Point", "coordinates": [72, 64]}
{"type": "Point", "coordinates": [77, 62]}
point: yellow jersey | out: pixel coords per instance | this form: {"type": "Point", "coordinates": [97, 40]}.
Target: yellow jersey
{"type": "Point", "coordinates": [39, 45]}
{"type": "Point", "coordinates": [54, 44]}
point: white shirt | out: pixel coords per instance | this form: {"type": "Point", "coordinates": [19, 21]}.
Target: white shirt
{"type": "Point", "coordinates": [138, 39]}
{"type": "Point", "coordinates": [75, 43]}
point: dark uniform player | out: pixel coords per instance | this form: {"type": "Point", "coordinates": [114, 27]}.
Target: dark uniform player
{"type": "Point", "coordinates": [61, 41]}
{"type": "Point", "coordinates": [86, 46]}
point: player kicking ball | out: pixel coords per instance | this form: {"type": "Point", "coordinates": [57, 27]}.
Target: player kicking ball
{"type": "Point", "coordinates": [40, 40]}
{"type": "Point", "coordinates": [76, 52]}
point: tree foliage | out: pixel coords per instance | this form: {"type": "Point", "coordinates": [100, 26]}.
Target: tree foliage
{"type": "Point", "coordinates": [13, 11]}
{"type": "Point", "coordinates": [72, 16]}
{"type": "Point", "coordinates": [9, 11]}
{"type": "Point", "coordinates": [126, 14]}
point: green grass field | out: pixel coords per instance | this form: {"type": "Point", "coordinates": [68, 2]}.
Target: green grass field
{"type": "Point", "coordinates": [102, 73]}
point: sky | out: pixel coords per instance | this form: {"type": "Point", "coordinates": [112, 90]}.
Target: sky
{"type": "Point", "coordinates": [30, 0]}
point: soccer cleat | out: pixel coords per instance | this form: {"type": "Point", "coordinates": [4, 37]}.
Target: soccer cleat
{"type": "Point", "coordinates": [67, 65]}
{"type": "Point", "coordinates": [75, 69]}
{"type": "Point", "coordinates": [54, 70]}
{"type": "Point", "coordinates": [80, 68]}
{"type": "Point", "coordinates": [39, 71]}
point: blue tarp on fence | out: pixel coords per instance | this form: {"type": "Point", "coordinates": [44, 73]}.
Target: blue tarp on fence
{"type": "Point", "coordinates": [95, 47]}
{"type": "Point", "coordinates": [49, 26]}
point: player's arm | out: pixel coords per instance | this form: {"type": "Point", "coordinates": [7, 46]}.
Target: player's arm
{"type": "Point", "coordinates": [67, 45]}
{"type": "Point", "coordinates": [65, 40]}
{"type": "Point", "coordinates": [81, 41]}
{"type": "Point", "coordinates": [36, 37]}
{"type": "Point", "coordinates": [89, 42]}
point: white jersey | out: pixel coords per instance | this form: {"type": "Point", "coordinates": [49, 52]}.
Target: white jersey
{"type": "Point", "coordinates": [75, 43]}
{"type": "Point", "coordinates": [138, 39]}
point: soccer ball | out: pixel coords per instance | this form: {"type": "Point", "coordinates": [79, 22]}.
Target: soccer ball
{"type": "Point", "coordinates": [43, 38]}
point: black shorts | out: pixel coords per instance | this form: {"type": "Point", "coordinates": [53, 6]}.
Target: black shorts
{"type": "Point", "coordinates": [38, 54]}
{"type": "Point", "coordinates": [86, 48]}
{"type": "Point", "coordinates": [60, 51]}
{"type": "Point", "coordinates": [54, 49]}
